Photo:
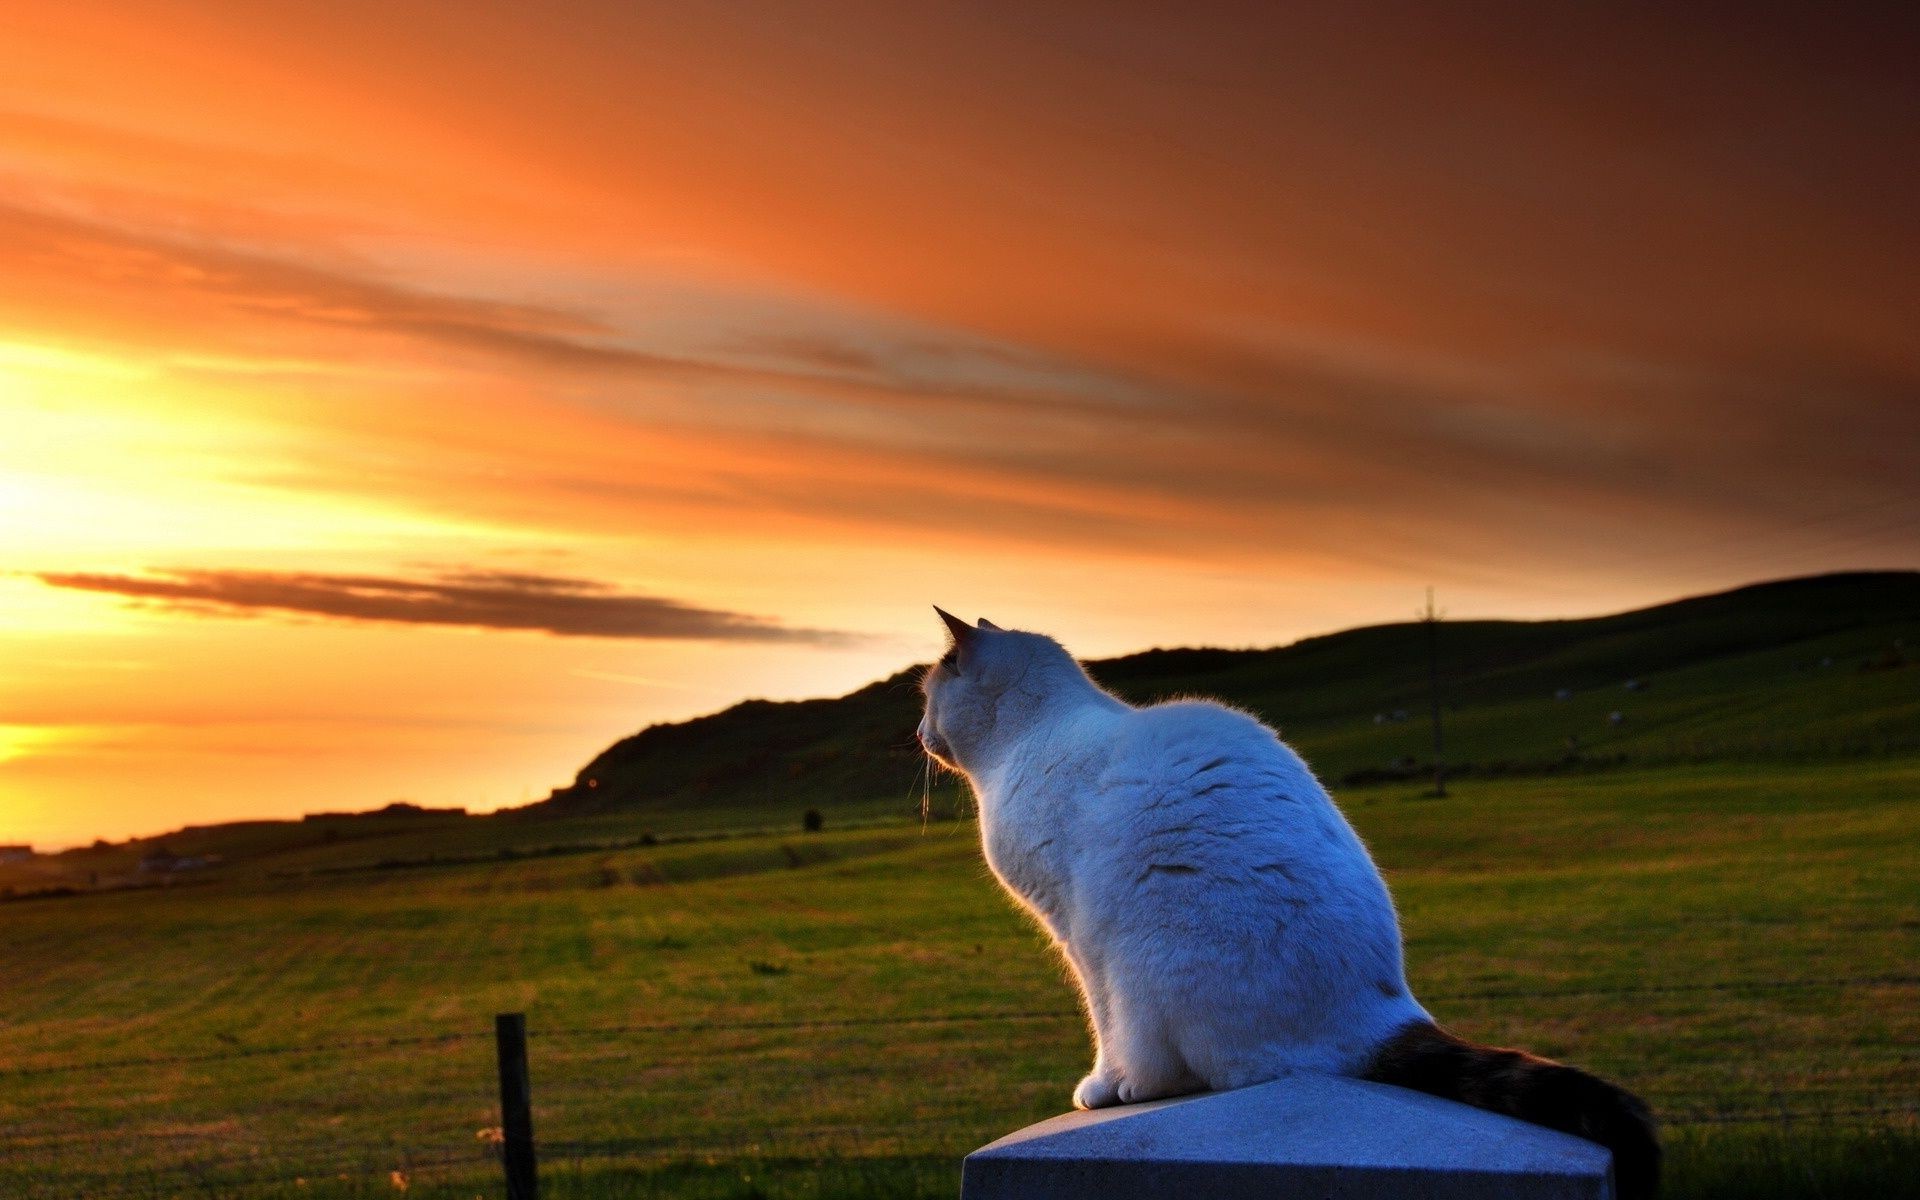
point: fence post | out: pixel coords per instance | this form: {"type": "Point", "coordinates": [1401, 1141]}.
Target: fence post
{"type": "Point", "coordinates": [516, 1106]}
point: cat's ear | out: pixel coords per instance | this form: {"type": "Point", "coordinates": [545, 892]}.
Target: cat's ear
{"type": "Point", "coordinates": [986, 624]}
{"type": "Point", "coordinates": [961, 631]}
{"type": "Point", "coordinates": [963, 635]}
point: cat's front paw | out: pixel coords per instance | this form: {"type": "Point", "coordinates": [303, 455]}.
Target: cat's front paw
{"type": "Point", "coordinates": [1133, 1093]}
{"type": "Point", "coordinates": [1096, 1091]}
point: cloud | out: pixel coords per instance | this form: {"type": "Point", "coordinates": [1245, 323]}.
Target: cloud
{"type": "Point", "coordinates": [1215, 435]}
{"type": "Point", "coordinates": [206, 301]}
{"type": "Point", "coordinates": [189, 273]}
{"type": "Point", "coordinates": [478, 600]}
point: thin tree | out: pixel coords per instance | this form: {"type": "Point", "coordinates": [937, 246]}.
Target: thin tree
{"type": "Point", "coordinates": [1430, 617]}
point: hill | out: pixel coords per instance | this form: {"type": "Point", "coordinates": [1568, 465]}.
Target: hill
{"type": "Point", "coordinates": [1819, 669]}
{"type": "Point", "coordinates": [311, 1013]}
{"type": "Point", "coordinates": [1820, 666]}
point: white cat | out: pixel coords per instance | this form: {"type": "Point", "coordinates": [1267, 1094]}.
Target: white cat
{"type": "Point", "coordinates": [1224, 922]}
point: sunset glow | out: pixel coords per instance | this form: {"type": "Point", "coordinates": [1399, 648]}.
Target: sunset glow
{"type": "Point", "coordinates": [406, 403]}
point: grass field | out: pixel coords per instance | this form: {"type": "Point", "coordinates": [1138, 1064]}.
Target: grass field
{"type": "Point", "coordinates": [847, 1013]}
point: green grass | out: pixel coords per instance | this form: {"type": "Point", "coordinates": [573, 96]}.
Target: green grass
{"type": "Point", "coordinates": [1737, 943]}
{"type": "Point", "coordinates": [252, 850]}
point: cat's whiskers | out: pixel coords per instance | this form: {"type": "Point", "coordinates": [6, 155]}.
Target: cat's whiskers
{"type": "Point", "coordinates": [926, 791]}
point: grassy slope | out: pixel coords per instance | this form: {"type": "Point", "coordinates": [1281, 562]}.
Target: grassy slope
{"type": "Point", "coordinates": [1731, 675]}
{"type": "Point", "coordinates": [1716, 871]}
{"type": "Point", "coordinates": [1737, 676]}
{"type": "Point", "coordinates": [1727, 940]}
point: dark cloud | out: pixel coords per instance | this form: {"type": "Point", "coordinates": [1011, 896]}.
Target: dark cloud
{"type": "Point", "coordinates": [1396, 292]}
{"type": "Point", "coordinates": [164, 278]}
{"type": "Point", "coordinates": [483, 600]}
{"type": "Point", "coordinates": [238, 281]}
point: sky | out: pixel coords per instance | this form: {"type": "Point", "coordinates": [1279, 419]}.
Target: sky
{"type": "Point", "coordinates": [401, 402]}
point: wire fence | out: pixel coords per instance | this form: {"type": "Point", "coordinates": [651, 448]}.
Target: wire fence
{"type": "Point", "coordinates": [192, 1163]}
{"type": "Point", "coordinates": [422, 1106]}
{"type": "Point", "coordinates": [359, 1045]}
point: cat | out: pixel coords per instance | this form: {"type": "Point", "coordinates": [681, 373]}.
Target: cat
{"type": "Point", "coordinates": [1223, 921]}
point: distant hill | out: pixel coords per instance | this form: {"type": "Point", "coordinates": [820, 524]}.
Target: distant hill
{"type": "Point", "coordinates": [1823, 670]}
{"type": "Point", "coordinates": [1815, 667]}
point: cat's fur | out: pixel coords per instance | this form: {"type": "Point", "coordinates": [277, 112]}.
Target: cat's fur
{"type": "Point", "coordinates": [1224, 922]}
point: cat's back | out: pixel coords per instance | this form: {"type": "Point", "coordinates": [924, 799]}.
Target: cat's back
{"type": "Point", "coordinates": [1218, 781]}
{"type": "Point", "coordinates": [1205, 743]}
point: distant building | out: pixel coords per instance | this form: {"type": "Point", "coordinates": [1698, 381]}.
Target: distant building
{"type": "Point", "coordinates": [14, 854]}
{"type": "Point", "coordinates": [399, 808]}
{"type": "Point", "coordinates": [162, 861]}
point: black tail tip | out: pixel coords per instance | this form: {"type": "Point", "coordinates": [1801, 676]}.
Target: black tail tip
{"type": "Point", "coordinates": [1427, 1058]}
{"type": "Point", "coordinates": [1571, 1100]}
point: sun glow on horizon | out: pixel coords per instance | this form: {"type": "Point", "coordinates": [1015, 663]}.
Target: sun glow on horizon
{"type": "Point", "coordinates": [480, 390]}
{"type": "Point", "coordinates": [108, 455]}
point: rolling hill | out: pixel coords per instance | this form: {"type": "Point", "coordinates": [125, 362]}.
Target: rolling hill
{"type": "Point", "coordinates": [1812, 667]}
{"type": "Point", "coordinates": [1809, 670]}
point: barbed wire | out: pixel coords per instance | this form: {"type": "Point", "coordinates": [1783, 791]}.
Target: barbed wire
{"type": "Point", "coordinates": [853, 1022]}
{"type": "Point", "coordinates": [212, 1175]}
{"type": "Point", "coordinates": [231, 1171]}
{"type": "Point", "coordinates": [162, 1060]}
{"type": "Point", "coordinates": [228, 1173]}
{"type": "Point", "coordinates": [1764, 1116]}
{"type": "Point", "coordinates": [1641, 989]}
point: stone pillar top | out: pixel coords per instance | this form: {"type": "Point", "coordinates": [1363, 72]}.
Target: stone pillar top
{"type": "Point", "coordinates": [1306, 1135]}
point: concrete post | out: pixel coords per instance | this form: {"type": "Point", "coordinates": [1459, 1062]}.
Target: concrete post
{"type": "Point", "coordinates": [1305, 1136]}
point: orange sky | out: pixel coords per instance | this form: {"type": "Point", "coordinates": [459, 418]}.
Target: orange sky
{"type": "Point", "coordinates": [404, 401]}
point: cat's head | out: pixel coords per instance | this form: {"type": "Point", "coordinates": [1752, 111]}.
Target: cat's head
{"type": "Point", "coordinates": [989, 688]}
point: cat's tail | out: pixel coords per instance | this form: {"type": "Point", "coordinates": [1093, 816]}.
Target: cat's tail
{"type": "Point", "coordinates": [1427, 1058]}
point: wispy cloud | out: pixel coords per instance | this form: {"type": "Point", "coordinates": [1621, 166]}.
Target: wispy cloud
{"type": "Point", "coordinates": [191, 273]}
{"type": "Point", "coordinates": [478, 600]}
{"type": "Point", "coordinates": [208, 303]}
